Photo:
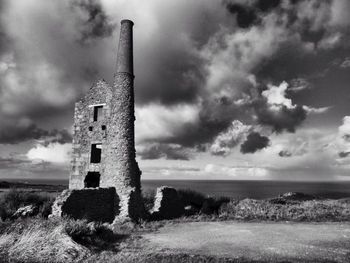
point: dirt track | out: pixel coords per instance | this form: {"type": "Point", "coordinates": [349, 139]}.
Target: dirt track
{"type": "Point", "coordinates": [270, 242]}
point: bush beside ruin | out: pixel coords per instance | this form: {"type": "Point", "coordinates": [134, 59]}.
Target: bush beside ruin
{"type": "Point", "coordinates": [14, 199]}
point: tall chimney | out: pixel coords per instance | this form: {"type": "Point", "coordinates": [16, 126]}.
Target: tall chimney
{"type": "Point", "coordinates": [122, 168]}
{"type": "Point", "coordinates": [125, 62]}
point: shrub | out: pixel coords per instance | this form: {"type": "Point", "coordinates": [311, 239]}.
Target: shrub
{"type": "Point", "coordinates": [148, 198]}
{"type": "Point", "coordinates": [14, 199]}
{"type": "Point", "coordinates": [313, 210]}
{"type": "Point", "coordinates": [191, 197]}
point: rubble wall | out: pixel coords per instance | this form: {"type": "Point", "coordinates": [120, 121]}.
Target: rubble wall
{"type": "Point", "coordinates": [93, 204]}
{"type": "Point", "coordinates": [167, 204]}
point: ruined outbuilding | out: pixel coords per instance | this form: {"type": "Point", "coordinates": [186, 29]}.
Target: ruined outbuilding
{"type": "Point", "coordinates": [104, 144]}
{"type": "Point", "coordinates": [167, 204]}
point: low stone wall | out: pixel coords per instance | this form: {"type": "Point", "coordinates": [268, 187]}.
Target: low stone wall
{"type": "Point", "coordinates": [93, 204]}
{"type": "Point", "coordinates": [167, 204]}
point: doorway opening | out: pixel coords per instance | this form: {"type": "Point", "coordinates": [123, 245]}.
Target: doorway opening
{"type": "Point", "coordinates": [92, 179]}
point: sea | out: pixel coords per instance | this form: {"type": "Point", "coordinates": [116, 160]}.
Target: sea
{"type": "Point", "coordinates": [238, 189]}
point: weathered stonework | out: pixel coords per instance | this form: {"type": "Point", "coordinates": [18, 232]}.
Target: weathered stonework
{"type": "Point", "coordinates": [104, 136]}
{"type": "Point", "coordinates": [100, 93]}
{"type": "Point", "coordinates": [167, 204]}
{"type": "Point", "coordinates": [93, 204]}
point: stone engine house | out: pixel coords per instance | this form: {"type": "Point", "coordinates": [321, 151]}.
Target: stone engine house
{"type": "Point", "coordinates": [103, 139]}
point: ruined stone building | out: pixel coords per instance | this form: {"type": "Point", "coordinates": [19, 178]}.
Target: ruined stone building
{"type": "Point", "coordinates": [103, 139]}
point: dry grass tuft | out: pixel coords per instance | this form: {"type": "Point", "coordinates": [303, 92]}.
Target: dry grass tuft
{"type": "Point", "coordinates": [39, 240]}
{"type": "Point", "coordinates": [94, 235]}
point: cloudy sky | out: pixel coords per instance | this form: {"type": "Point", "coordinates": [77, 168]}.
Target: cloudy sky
{"type": "Point", "coordinates": [225, 89]}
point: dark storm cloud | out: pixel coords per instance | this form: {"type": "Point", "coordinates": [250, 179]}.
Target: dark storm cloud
{"type": "Point", "coordinates": [343, 154]}
{"type": "Point", "coordinates": [170, 68]}
{"type": "Point", "coordinates": [299, 84]}
{"type": "Point", "coordinates": [245, 15]}
{"type": "Point", "coordinates": [285, 153]}
{"type": "Point", "coordinates": [169, 152]}
{"type": "Point", "coordinates": [215, 116]}
{"type": "Point", "coordinates": [254, 142]}
{"type": "Point", "coordinates": [57, 136]}
{"type": "Point", "coordinates": [292, 62]}
{"type": "Point", "coordinates": [209, 125]}
{"type": "Point", "coordinates": [4, 38]}
{"type": "Point", "coordinates": [308, 25]}
{"type": "Point", "coordinates": [282, 119]}
{"type": "Point", "coordinates": [248, 13]}
{"type": "Point", "coordinates": [45, 68]}
{"type": "Point", "coordinates": [12, 162]}
{"type": "Point", "coordinates": [96, 24]}
{"type": "Point", "coordinates": [17, 133]}
{"type": "Point", "coordinates": [176, 76]}
{"type": "Point", "coordinates": [266, 6]}
{"type": "Point", "coordinates": [346, 137]}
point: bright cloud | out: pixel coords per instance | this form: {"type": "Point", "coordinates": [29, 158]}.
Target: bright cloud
{"type": "Point", "coordinates": [276, 96]}
{"type": "Point", "coordinates": [53, 153]}
{"type": "Point", "coordinates": [227, 140]}
{"type": "Point", "coordinates": [221, 170]}
{"type": "Point", "coordinates": [159, 122]}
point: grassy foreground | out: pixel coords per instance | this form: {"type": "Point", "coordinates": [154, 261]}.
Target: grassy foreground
{"type": "Point", "coordinates": [38, 239]}
{"type": "Point", "coordinates": [65, 240]}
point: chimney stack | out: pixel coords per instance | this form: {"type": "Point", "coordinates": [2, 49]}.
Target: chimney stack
{"type": "Point", "coordinates": [125, 49]}
{"type": "Point", "coordinates": [122, 167]}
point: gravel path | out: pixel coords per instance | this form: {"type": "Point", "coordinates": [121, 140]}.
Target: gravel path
{"type": "Point", "coordinates": [269, 242]}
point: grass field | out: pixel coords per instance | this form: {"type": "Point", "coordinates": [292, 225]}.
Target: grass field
{"type": "Point", "coordinates": [39, 239]}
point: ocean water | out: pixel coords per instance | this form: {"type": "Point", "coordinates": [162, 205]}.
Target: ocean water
{"type": "Point", "coordinates": [238, 189]}
{"type": "Point", "coordinates": [256, 189]}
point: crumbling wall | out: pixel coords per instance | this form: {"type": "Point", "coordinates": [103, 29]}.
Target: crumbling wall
{"type": "Point", "coordinates": [93, 204]}
{"type": "Point", "coordinates": [167, 204]}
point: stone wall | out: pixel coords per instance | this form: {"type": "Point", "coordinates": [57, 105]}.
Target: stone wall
{"type": "Point", "coordinates": [167, 204]}
{"type": "Point", "coordinates": [86, 131]}
{"type": "Point", "coordinates": [93, 204]}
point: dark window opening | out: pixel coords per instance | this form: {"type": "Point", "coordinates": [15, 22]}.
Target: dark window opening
{"type": "Point", "coordinates": [90, 128]}
{"type": "Point", "coordinates": [96, 153]}
{"type": "Point", "coordinates": [98, 114]}
{"type": "Point", "coordinates": [92, 179]}
{"type": "Point", "coordinates": [103, 127]}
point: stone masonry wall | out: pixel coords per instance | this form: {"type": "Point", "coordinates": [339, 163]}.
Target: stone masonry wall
{"type": "Point", "coordinates": [93, 204]}
{"type": "Point", "coordinates": [99, 93]}
{"type": "Point", "coordinates": [167, 204]}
